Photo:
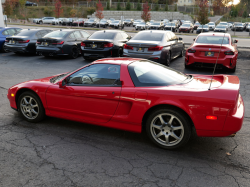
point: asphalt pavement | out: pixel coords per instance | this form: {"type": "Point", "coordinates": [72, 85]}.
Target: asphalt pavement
{"type": "Point", "coordinates": [58, 152]}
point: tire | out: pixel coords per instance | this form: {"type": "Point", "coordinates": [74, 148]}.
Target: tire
{"type": "Point", "coordinates": [4, 50]}
{"type": "Point", "coordinates": [182, 52]}
{"type": "Point", "coordinates": [74, 53]}
{"type": "Point", "coordinates": [168, 128]}
{"type": "Point", "coordinates": [186, 66]}
{"type": "Point", "coordinates": [119, 53]}
{"type": "Point", "coordinates": [168, 59]}
{"type": "Point", "coordinates": [31, 107]}
{"type": "Point", "coordinates": [232, 70]}
{"type": "Point", "coordinates": [86, 58]}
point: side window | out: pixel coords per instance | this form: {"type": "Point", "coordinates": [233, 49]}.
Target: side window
{"type": "Point", "coordinates": [39, 34]}
{"type": "Point", "coordinates": [78, 35]}
{"type": "Point", "coordinates": [96, 75]}
{"type": "Point", "coordinates": [6, 32]}
{"type": "Point", "coordinates": [18, 30]}
{"type": "Point", "coordinates": [12, 31]}
{"type": "Point", "coordinates": [72, 36]}
{"type": "Point", "coordinates": [85, 34]}
{"type": "Point", "coordinates": [169, 36]}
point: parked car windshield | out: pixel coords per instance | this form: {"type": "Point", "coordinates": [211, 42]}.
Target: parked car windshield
{"type": "Point", "coordinates": [148, 73]}
{"type": "Point", "coordinates": [211, 24]}
{"type": "Point", "coordinates": [212, 40]}
{"type": "Point", "coordinates": [170, 24]}
{"type": "Point", "coordinates": [116, 21]}
{"type": "Point", "coordinates": [221, 27]}
{"type": "Point", "coordinates": [203, 26]}
{"type": "Point", "coordinates": [238, 24]}
{"type": "Point", "coordinates": [186, 25]}
{"type": "Point", "coordinates": [59, 34]}
{"type": "Point", "coordinates": [103, 35]}
{"type": "Point", "coordinates": [223, 23]}
{"type": "Point", "coordinates": [155, 23]}
{"type": "Point", "coordinates": [146, 36]}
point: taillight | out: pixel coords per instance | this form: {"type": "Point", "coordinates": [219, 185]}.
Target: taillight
{"type": "Point", "coordinates": [128, 47]}
{"type": "Point", "coordinates": [157, 48]}
{"type": "Point", "coordinates": [27, 41]}
{"type": "Point", "coordinates": [191, 51]}
{"type": "Point", "coordinates": [62, 42]}
{"type": "Point", "coordinates": [38, 42]}
{"type": "Point", "coordinates": [229, 53]}
{"type": "Point", "coordinates": [83, 44]}
{"type": "Point", "coordinates": [108, 45]}
{"type": "Point", "coordinates": [6, 40]}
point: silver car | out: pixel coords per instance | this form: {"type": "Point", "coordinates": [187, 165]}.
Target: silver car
{"type": "Point", "coordinates": [158, 46]}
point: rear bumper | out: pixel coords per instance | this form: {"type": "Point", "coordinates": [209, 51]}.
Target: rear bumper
{"type": "Point", "coordinates": [51, 50]}
{"type": "Point", "coordinates": [14, 48]}
{"type": "Point", "coordinates": [232, 125]}
{"type": "Point", "coordinates": [209, 62]}
{"type": "Point", "coordinates": [153, 56]}
{"type": "Point", "coordinates": [106, 52]}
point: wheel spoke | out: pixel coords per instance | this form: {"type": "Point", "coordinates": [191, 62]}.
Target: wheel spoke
{"type": "Point", "coordinates": [171, 120]}
{"type": "Point", "coordinates": [174, 136]}
{"type": "Point", "coordinates": [33, 106]}
{"type": "Point", "coordinates": [159, 134]}
{"type": "Point", "coordinates": [162, 120]}
{"type": "Point", "coordinates": [30, 100]}
{"type": "Point", "coordinates": [177, 128]}
{"type": "Point", "coordinates": [167, 139]}
{"type": "Point", "coordinates": [25, 100]}
{"type": "Point", "coordinates": [156, 126]}
{"type": "Point", "coordinates": [33, 111]}
{"type": "Point", "coordinates": [30, 114]}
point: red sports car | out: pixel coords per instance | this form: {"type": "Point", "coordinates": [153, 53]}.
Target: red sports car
{"type": "Point", "coordinates": [135, 95]}
{"type": "Point", "coordinates": [208, 47]}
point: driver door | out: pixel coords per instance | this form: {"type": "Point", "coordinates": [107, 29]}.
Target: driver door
{"type": "Point", "coordinates": [90, 95]}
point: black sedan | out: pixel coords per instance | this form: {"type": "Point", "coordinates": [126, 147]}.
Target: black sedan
{"type": "Point", "coordinates": [220, 28]}
{"type": "Point", "coordinates": [202, 28]}
{"type": "Point", "coordinates": [107, 43]}
{"type": "Point", "coordinates": [25, 41]}
{"type": "Point", "coordinates": [156, 26]}
{"type": "Point", "coordinates": [62, 42]}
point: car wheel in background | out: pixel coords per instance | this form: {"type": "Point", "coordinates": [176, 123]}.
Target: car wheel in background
{"type": "Point", "coordinates": [74, 53]}
{"type": "Point", "coordinates": [182, 52]}
{"type": "Point", "coordinates": [31, 107]}
{"type": "Point", "coordinates": [168, 59]}
{"type": "Point", "coordinates": [4, 50]}
{"type": "Point", "coordinates": [169, 128]}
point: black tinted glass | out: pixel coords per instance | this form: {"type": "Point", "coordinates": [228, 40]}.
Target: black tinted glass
{"type": "Point", "coordinates": [147, 73]}
{"type": "Point", "coordinates": [212, 39]}
{"type": "Point", "coordinates": [59, 34]}
{"type": "Point", "coordinates": [26, 33]}
{"type": "Point", "coordinates": [103, 35]}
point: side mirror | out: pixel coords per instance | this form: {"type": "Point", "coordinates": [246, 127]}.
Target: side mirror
{"type": "Point", "coordinates": [235, 41]}
{"type": "Point", "coordinates": [180, 38]}
{"type": "Point", "coordinates": [194, 39]}
{"type": "Point", "coordinates": [62, 84]}
{"type": "Point", "coordinates": [129, 37]}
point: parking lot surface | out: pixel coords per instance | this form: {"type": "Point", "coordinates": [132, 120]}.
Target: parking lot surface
{"type": "Point", "coordinates": [58, 152]}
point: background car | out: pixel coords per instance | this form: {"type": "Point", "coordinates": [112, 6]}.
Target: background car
{"type": "Point", "coordinates": [68, 21]}
{"type": "Point", "coordinates": [5, 32]}
{"type": "Point", "coordinates": [62, 42]}
{"type": "Point", "coordinates": [196, 25]}
{"type": "Point", "coordinates": [136, 22]}
{"type": "Point", "coordinates": [38, 20]}
{"type": "Point", "coordinates": [136, 95]}
{"type": "Point", "coordinates": [104, 23]}
{"type": "Point", "coordinates": [211, 26]}
{"type": "Point", "coordinates": [102, 44]}
{"type": "Point", "coordinates": [202, 28]}
{"type": "Point", "coordinates": [48, 20]}
{"type": "Point", "coordinates": [158, 46]}
{"type": "Point", "coordinates": [79, 22]}
{"type": "Point", "coordinates": [28, 3]}
{"type": "Point", "coordinates": [128, 22]}
{"type": "Point", "coordinates": [117, 24]}
{"type": "Point", "coordinates": [142, 26]}
{"type": "Point", "coordinates": [206, 48]}
{"type": "Point", "coordinates": [91, 22]}
{"type": "Point", "coordinates": [156, 26]}
{"type": "Point", "coordinates": [25, 41]}
{"type": "Point", "coordinates": [186, 27]}
{"type": "Point", "coordinates": [237, 26]}
{"type": "Point", "coordinates": [55, 22]}
{"type": "Point", "coordinates": [224, 24]}
{"type": "Point", "coordinates": [220, 28]}
{"type": "Point", "coordinates": [171, 26]}
{"type": "Point", "coordinates": [248, 27]}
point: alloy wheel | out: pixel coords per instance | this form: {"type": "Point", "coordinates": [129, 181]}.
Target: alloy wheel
{"type": "Point", "coordinates": [167, 129]}
{"type": "Point", "coordinates": [29, 107]}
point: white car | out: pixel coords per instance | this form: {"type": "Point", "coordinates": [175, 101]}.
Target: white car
{"type": "Point", "coordinates": [142, 26]}
{"type": "Point", "coordinates": [211, 26]}
{"type": "Point", "coordinates": [136, 22]}
{"type": "Point", "coordinates": [55, 22]}
{"type": "Point", "coordinates": [224, 24]}
{"type": "Point", "coordinates": [48, 20]}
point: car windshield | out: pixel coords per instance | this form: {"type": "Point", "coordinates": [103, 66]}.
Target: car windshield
{"type": "Point", "coordinates": [238, 24]}
{"type": "Point", "coordinates": [155, 23]}
{"type": "Point", "coordinates": [170, 24]}
{"type": "Point", "coordinates": [91, 21]}
{"type": "Point", "coordinates": [212, 40]}
{"type": "Point", "coordinates": [203, 26]}
{"type": "Point", "coordinates": [103, 35]}
{"type": "Point", "coordinates": [211, 24]}
{"type": "Point", "coordinates": [115, 21]}
{"type": "Point", "coordinates": [138, 20]}
{"type": "Point", "coordinates": [197, 24]}
{"type": "Point", "coordinates": [148, 36]}
{"type": "Point", "coordinates": [127, 20]}
{"type": "Point", "coordinates": [26, 33]}
{"type": "Point", "coordinates": [148, 73]}
{"type": "Point", "coordinates": [186, 25]}
{"type": "Point", "coordinates": [223, 23]}
{"type": "Point", "coordinates": [59, 34]}
{"type": "Point", "coordinates": [221, 26]}
{"type": "Point", "coordinates": [103, 21]}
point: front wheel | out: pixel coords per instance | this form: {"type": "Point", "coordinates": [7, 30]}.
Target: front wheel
{"type": "Point", "coordinates": [31, 107]}
{"type": "Point", "coordinates": [168, 128]}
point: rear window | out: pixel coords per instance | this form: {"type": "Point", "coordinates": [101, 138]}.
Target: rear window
{"type": "Point", "coordinates": [155, 23]}
{"type": "Point", "coordinates": [103, 35]}
{"type": "Point", "coordinates": [146, 73]}
{"type": "Point", "coordinates": [149, 36]}
{"type": "Point", "coordinates": [212, 40]}
{"type": "Point", "coordinates": [26, 33]}
{"type": "Point", "coordinates": [59, 34]}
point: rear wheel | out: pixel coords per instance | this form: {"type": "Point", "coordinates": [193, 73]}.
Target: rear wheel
{"type": "Point", "coordinates": [4, 50]}
{"type": "Point", "coordinates": [187, 66]}
{"type": "Point", "coordinates": [74, 53]}
{"type": "Point", "coordinates": [168, 59]}
{"type": "Point", "coordinates": [182, 52]}
{"type": "Point", "coordinates": [31, 107]}
{"type": "Point", "coordinates": [168, 128]}
{"type": "Point", "coordinates": [233, 70]}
